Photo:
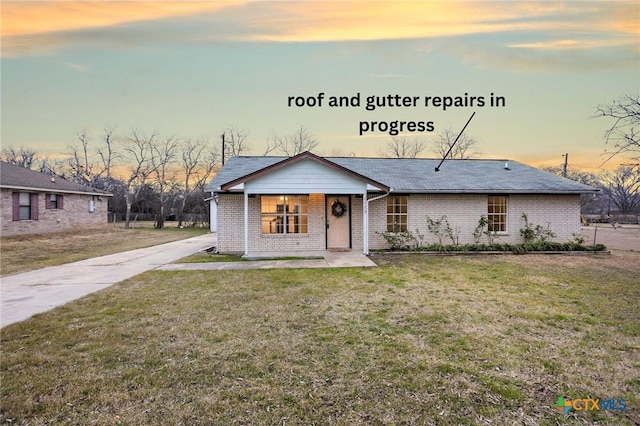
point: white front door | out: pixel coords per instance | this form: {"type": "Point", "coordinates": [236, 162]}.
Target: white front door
{"type": "Point", "coordinates": [338, 222]}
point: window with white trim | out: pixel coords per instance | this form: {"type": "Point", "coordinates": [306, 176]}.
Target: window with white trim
{"type": "Point", "coordinates": [284, 214]}
{"type": "Point", "coordinates": [497, 213]}
{"type": "Point", "coordinates": [397, 213]}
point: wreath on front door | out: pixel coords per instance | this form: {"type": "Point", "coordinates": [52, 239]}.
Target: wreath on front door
{"type": "Point", "coordinates": [338, 208]}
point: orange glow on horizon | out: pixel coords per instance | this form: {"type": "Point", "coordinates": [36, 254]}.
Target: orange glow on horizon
{"type": "Point", "coordinates": [306, 21]}
{"type": "Point", "coordinates": [31, 18]}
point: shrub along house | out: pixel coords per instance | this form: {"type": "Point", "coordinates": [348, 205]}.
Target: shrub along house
{"type": "Point", "coordinates": [308, 202]}
{"type": "Point", "coordinates": [34, 202]}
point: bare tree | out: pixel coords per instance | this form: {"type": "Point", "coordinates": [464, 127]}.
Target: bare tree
{"type": "Point", "coordinates": [22, 157]}
{"type": "Point", "coordinates": [338, 152]}
{"type": "Point", "coordinates": [624, 133]}
{"type": "Point", "coordinates": [137, 150]}
{"type": "Point", "coordinates": [403, 147]}
{"type": "Point", "coordinates": [271, 144]}
{"type": "Point", "coordinates": [463, 149]}
{"type": "Point", "coordinates": [298, 141]}
{"type": "Point", "coordinates": [587, 201]}
{"type": "Point", "coordinates": [199, 161]}
{"type": "Point", "coordinates": [235, 142]}
{"type": "Point", "coordinates": [624, 185]}
{"type": "Point", "coordinates": [54, 167]}
{"type": "Point", "coordinates": [80, 167]}
{"type": "Point", "coordinates": [107, 155]}
{"type": "Point", "coordinates": [163, 155]}
{"type": "Point", "coordinates": [89, 166]}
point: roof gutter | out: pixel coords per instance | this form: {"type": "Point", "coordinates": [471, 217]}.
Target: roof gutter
{"type": "Point", "coordinates": [365, 233]}
{"type": "Point", "coordinates": [496, 191]}
{"type": "Point", "coordinates": [57, 191]}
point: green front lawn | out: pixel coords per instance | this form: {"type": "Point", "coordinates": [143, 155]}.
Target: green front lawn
{"type": "Point", "coordinates": [418, 340]}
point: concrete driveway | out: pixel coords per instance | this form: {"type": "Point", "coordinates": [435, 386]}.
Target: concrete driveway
{"type": "Point", "coordinates": [30, 293]}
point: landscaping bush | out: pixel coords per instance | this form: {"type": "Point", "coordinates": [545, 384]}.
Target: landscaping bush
{"type": "Point", "coordinates": [514, 248]}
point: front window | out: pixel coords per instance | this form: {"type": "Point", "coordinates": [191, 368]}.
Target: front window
{"type": "Point", "coordinates": [497, 214]}
{"type": "Point", "coordinates": [284, 214]}
{"type": "Point", "coordinates": [25, 206]}
{"type": "Point", "coordinates": [397, 213]}
{"type": "Point", "coordinates": [53, 201]}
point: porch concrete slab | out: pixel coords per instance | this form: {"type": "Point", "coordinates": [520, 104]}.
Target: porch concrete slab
{"type": "Point", "coordinates": [212, 266]}
{"type": "Point", "coordinates": [300, 255]}
{"type": "Point", "coordinates": [29, 293]}
{"type": "Point", "coordinates": [307, 263]}
{"type": "Point", "coordinates": [251, 264]}
{"type": "Point", "coordinates": [348, 260]}
{"type": "Point", "coordinates": [328, 260]}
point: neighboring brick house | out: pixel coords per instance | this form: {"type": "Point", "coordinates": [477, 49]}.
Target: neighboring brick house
{"type": "Point", "coordinates": [307, 202]}
{"type": "Point", "coordinates": [33, 202]}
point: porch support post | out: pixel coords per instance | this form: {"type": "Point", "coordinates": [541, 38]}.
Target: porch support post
{"type": "Point", "coordinates": [365, 223]}
{"type": "Point", "coordinates": [246, 223]}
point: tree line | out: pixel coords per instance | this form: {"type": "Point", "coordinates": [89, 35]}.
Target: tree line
{"type": "Point", "coordinates": [146, 173]}
{"type": "Point", "coordinates": [166, 175]}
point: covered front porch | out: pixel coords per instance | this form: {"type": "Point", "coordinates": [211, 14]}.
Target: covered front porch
{"type": "Point", "coordinates": [303, 203]}
{"type": "Point", "coordinates": [302, 223]}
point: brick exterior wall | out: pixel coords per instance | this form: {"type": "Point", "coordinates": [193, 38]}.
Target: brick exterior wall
{"type": "Point", "coordinates": [231, 227]}
{"type": "Point", "coordinates": [356, 224]}
{"type": "Point", "coordinates": [75, 214]}
{"type": "Point", "coordinates": [561, 212]}
{"type": "Point", "coordinates": [231, 223]}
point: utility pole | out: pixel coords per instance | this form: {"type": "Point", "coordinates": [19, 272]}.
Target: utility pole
{"type": "Point", "coordinates": [609, 206]}
{"type": "Point", "coordinates": [564, 169]}
{"type": "Point", "coordinates": [223, 149]}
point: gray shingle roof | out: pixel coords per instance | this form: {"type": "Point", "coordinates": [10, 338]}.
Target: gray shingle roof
{"type": "Point", "coordinates": [419, 175]}
{"type": "Point", "coordinates": [20, 178]}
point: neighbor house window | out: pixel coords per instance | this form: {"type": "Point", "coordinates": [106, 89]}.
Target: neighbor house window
{"type": "Point", "coordinates": [25, 206]}
{"type": "Point", "coordinates": [497, 213]}
{"type": "Point", "coordinates": [284, 214]}
{"type": "Point", "coordinates": [397, 213]}
{"type": "Point", "coordinates": [53, 201]}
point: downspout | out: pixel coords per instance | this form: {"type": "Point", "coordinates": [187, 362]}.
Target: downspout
{"type": "Point", "coordinates": [365, 231]}
{"type": "Point", "coordinates": [213, 212]}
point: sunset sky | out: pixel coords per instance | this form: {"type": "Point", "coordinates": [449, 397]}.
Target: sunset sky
{"type": "Point", "coordinates": [193, 69]}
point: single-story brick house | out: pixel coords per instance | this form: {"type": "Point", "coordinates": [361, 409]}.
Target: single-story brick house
{"type": "Point", "coordinates": [308, 202]}
{"type": "Point", "coordinates": [34, 202]}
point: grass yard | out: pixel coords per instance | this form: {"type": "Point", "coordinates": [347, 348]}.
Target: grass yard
{"type": "Point", "coordinates": [419, 340]}
{"type": "Point", "coordinates": [28, 252]}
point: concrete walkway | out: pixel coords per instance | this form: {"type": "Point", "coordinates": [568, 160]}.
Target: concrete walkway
{"type": "Point", "coordinates": [30, 293]}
